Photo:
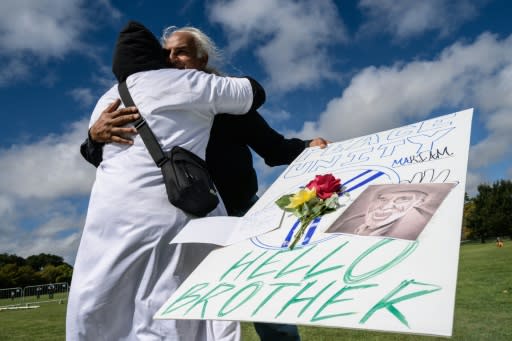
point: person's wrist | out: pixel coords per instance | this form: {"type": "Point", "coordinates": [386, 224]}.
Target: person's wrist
{"type": "Point", "coordinates": [94, 142]}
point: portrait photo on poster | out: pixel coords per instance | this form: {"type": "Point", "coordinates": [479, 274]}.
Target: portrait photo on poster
{"type": "Point", "coordinates": [392, 210]}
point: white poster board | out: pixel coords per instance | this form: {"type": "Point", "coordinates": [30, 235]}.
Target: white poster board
{"type": "Point", "coordinates": [387, 282]}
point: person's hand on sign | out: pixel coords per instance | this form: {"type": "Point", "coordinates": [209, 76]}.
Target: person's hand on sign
{"type": "Point", "coordinates": [319, 142]}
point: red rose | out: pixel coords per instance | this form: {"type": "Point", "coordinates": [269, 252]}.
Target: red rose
{"type": "Point", "coordinates": [325, 185]}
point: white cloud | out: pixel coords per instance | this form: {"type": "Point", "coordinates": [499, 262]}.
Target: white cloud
{"type": "Point", "coordinates": [14, 69]}
{"type": "Point", "coordinates": [33, 226]}
{"type": "Point", "coordinates": [381, 98]}
{"type": "Point", "coordinates": [464, 75]}
{"type": "Point", "coordinates": [404, 19]}
{"type": "Point", "coordinates": [35, 31]}
{"type": "Point", "coordinates": [48, 28]}
{"type": "Point", "coordinates": [27, 244]}
{"type": "Point", "coordinates": [38, 27]}
{"type": "Point", "coordinates": [84, 96]}
{"type": "Point", "coordinates": [50, 168]}
{"type": "Point", "coordinates": [473, 179]}
{"type": "Point", "coordinates": [65, 247]}
{"type": "Point", "coordinates": [6, 206]}
{"type": "Point", "coordinates": [44, 187]}
{"type": "Point", "coordinates": [57, 223]}
{"type": "Point", "coordinates": [274, 115]}
{"type": "Point", "coordinates": [290, 37]}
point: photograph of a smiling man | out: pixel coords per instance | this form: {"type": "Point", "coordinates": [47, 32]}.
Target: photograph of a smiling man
{"type": "Point", "coordinates": [396, 210]}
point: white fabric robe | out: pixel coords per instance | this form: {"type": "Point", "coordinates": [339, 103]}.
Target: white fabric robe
{"type": "Point", "coordinates": [125, 268]}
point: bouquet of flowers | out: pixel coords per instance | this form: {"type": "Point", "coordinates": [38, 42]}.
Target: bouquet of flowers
{"type": "Point", "coordinates": [320, 196]}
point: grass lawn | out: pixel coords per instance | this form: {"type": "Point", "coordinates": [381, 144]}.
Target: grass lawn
{"type": "Point", "coordinates": [483, 309]}
{"type": "Point", "coordinates": [46, 323]}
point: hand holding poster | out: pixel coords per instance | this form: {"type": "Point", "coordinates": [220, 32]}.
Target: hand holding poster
{"type": "Point", "coordinates": [386, 259]}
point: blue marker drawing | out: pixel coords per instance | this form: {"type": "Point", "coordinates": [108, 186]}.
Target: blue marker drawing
{"type": "Point", "coordinates": [290, 234]}
{"type": "Point", "coordinates": [357, 176]}
{"type": "Point", "coordinates": [362, 183]}
{"type": "Point", "coordinates": [311, 230]}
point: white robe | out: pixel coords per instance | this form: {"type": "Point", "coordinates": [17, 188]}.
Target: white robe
{"type": "Point", "coordinates": [125, 268]}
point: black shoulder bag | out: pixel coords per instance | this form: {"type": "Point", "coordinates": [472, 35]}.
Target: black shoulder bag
{"type": "Point", "coordinates": [188, 183]}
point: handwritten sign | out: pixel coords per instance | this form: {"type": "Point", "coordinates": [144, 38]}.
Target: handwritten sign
{"type": "Point", "coordinates": [348, 279]}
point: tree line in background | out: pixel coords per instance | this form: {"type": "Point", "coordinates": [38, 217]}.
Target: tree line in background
{"type": "Point", "coordinates": [489, 213]}
{"type": "Point", "coordinates": [44, 268]}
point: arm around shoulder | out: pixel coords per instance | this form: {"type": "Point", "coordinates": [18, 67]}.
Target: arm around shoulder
{"type": "Point", "coordinates": [273, 147]}
{"type": "Point", "coordinates": [92, 151]}
{"type": "Point", "coordinates": [236, 95]}
{"type": "Point", "coordinates": [258, 94]}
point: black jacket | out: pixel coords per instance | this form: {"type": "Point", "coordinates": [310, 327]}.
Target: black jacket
{"type": "Point", "coordinates": [228, 156]}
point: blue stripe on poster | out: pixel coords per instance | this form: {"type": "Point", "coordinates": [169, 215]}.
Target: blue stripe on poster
{"type": "Point", "coordinates": [311, 230]}
{"type": "Point", "coordinates": [290, 234]}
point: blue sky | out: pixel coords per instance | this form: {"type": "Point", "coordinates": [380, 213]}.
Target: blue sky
{"type": "Point", "coordinates": [337, 69]}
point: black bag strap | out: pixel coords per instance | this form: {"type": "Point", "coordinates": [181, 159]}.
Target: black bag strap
{"type": "Point", "coordinates": [143, 128]}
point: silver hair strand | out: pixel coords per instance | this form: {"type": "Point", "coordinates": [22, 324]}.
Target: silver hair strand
{"type": "Point", "coordinates": [204, 45]}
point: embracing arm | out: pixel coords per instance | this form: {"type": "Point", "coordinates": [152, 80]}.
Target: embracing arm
{"type": "Point", "coordinates": [92, 151]}
{"type": "Point", "coordinates": [221, 94]}
{"type": "Point", "coordinates": [273, 147]}
{"type": "Point", "coordinates": [108, 128]}
{"type": "Point", "coordinates": [258, 94]}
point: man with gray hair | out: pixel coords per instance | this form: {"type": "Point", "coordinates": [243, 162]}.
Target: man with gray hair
{"type": "Point", "coordinates": [228, 152]}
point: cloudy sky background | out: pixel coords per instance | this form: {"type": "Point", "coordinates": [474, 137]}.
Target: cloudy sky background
{"type": "Point", "coordinates": [337, 69]}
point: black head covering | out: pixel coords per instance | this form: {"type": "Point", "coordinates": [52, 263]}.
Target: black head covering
{"type": "Point", "coordinates": [137, 49]}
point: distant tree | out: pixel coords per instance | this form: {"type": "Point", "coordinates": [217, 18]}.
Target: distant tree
{"type": "Point", "coordinates": [16, 271]}
{"type": "Point", "coordinates": [6, 280]}
{"type": "Point", "coordinates": [8, 274]}
{"type": "Point", "coordinates": [504, 208]}
{"type": "Point", "coordinates": [478, 222]}
{"type": "Point", "coordinates": [38, 262]}
{"type": "Point", "coordinates": [25, 276]}
{"type": "Point", "coordinates": [469, 209]}
{"type": "Point", "coordinates": [466, 198]}
{"type": "Point", "coordinates": [492, 212]}
{"type": "Point", "coordinates": [49, 273]}
{"type": "Point", "coordinates": [11, 259]}
{"type": "Point", "coordinates": [65, 272]}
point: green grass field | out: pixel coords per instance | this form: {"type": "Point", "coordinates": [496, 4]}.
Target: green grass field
{"type": "Point", "coordinates": [483, 309]}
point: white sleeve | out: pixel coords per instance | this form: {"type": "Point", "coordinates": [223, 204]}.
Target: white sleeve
{"type": "Point", "coordinates": [228, 95]}
{"type": "Point", "coordinates": [191, 90]}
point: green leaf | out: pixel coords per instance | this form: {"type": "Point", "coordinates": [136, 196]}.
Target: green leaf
{"type": "Point", "coordinates": [284, 201]}
{"type": "Point", "coordinates": [305, 209]}
{"type": "Point", "coordinates": [332, 202]}
{"type": "Point", "coordinates": [317, 210]}
{"type": "Point", "coordinates": [314, 201]}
